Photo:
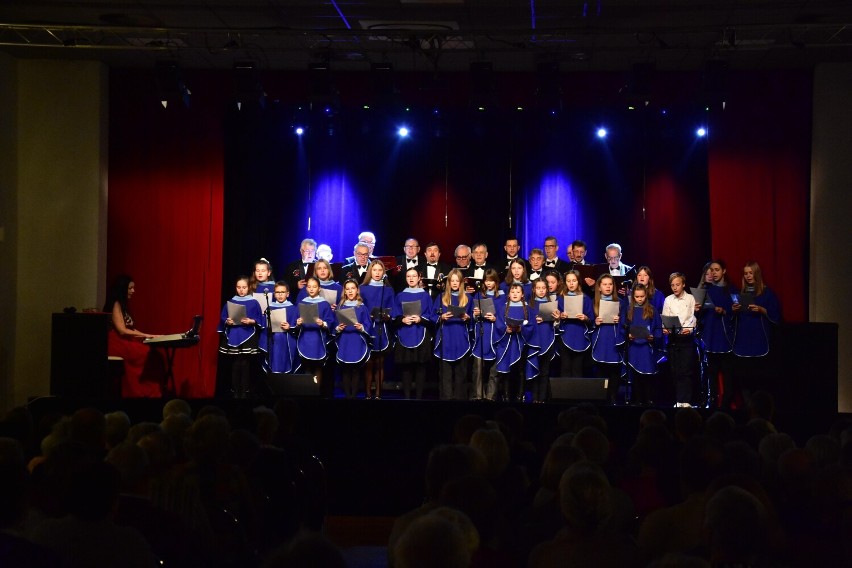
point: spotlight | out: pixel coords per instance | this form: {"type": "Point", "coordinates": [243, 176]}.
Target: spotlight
{"type": "Point", "coordinates": [701, 132]}
{"type": "Point", "coordinates": [601, 133]}
{"type": "Point", "coordinates": [402, 132]}
{"type": "Point", "coordinates": [299, 131]}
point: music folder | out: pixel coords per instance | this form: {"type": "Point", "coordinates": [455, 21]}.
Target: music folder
{"type": "Point", "coordinates": [546, 309]}
{"type": "Point", "coordinates": [608, 310]}
{"type": "Point", "coordinates": [411, 309]}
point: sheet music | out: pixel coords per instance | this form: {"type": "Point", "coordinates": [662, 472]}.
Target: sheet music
{"type": "Point", "coordinates": [546, 309]}
{"type": "Point", "coordinates": [700, 294]}
{"type": "Point", "coordinates": [411, 309]}
{"type": "Point", "coordinates": [573, 306]}
{"type": "Point", "coordinates": [346, 316]}
{"type": "Point", "coordinates": [309, 312]}
{"type": "Point", "coordinates": [329, 295]}
{"type": "Point", "coordinates": [261, 299]}
{"type": "Point", "coordinates": [671, 323]}
{"type": "Point", "coordinates": [277, 317]}
{"type": "Point", "coordinates": [457, 311]}
{"type": "Point", "coordinates": [236, 311]}
{"type": "Point", "coordinates": [608, 310]}
{"type": "Point", "coordinates": [486, 306]}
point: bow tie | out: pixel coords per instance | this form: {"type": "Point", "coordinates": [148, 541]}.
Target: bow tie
{"type": "Point", "coordinates": [432, 265]}
{"type": "Point", "coordinates": [412, 261]}
{"type": "Point", "coordinates": [550, 263]}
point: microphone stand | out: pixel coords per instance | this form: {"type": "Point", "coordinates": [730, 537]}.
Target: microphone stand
{"type": "Point", "coordinates": [267, 313]}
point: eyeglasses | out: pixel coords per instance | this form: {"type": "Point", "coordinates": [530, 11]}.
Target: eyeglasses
{"type": "Point", "coordinates": [611, 258]}
{"type": "Point", "coordinates": [361, 253]}
{"type": "Point", "coordinates": [462, 257]}
{"type": "Point", "coordinates": [412, 246]}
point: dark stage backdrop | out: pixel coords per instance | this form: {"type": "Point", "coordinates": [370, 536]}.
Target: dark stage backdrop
{"type": "Point", "coordinates": [197, 194]}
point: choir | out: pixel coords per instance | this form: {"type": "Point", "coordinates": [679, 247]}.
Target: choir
{"type": "Point", "coordinates": [502, 330]}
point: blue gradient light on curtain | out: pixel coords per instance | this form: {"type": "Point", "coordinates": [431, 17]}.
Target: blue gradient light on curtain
{"type": "Point", "coordinates": [551, 208]}
{"type": "Point", "coordinates": [335, 213]}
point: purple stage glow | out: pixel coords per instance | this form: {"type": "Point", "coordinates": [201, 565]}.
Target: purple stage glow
{"type": "Point", "coordinates": [552, 208]}
{"type": "Point", "coordinates": [335, 210]}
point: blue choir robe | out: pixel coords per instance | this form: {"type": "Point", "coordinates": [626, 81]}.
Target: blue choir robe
{"type": "Point", "coordinates": [542, 339]}
{"type": "Point", "coordinates": [452, 340]}
{"type": "Point", "coordinates": [325, 285]}
{"type": "Point", "coordinates": [751, 338]}
{"type": "Point", "coordinates": [642, 354]}
{"type": "Point", "coordinates": [575, 333]}
{"type": "Point", "coordinates": [312, 339]}
{"type": "Point", "coordinates": [238, 334]}
{"type": "Point", "coordinates": [527, 289]}
{"type": "Point", "coordinates": [510, 346]}
{"type": "Point", "coordinates": [413, 335]}
{"type": "Point", "coordinates": [353, 346]}
{"type": "Point", "coordinates": [379, 296]}
{"type": "Point", "coordinates": [284, 357]}
{"type": "Point", "coordinates": [607, 340]}
{"type": "Point", "coordinates": [484, 336]}
{"type": "Point", "coordinates": [717, 329]}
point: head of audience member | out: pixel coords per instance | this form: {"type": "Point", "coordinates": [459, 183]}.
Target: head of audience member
{"type": "Point", "coordinates": [701, 461]}
{"type": "Point", "coordinates": [308, 250]}
{"type": "Point", "coordinates": [593, 443]}
{"type": "Point", "coordinates": [536, 259]}
{"type": "Point", "coordinates": [267, 425]}
{"type": "Point", "coordinates": [362, 254]}
{"type": "Point", "coordinates": [652, 416]}
{"type": "Point", "coordinates": [688, 424]}
{"type": "Point", "coordinates": [206, 440]}
{"type": "Point", "coordinates": [444, 537]}
{"type": "Point", "coordinates": [770, 449]}
{"type": "Point", "coordinates": [433, 252]}
{"type": "Point", "coordinates": [513, 420]}
{"type": "Point", "coordinates": [93, 491]}
{"type": "Point", "coordinates": [131, 461]}
{"type": "Point", "coordinates": [492, 445]}
{"type": "Point", "coordinates": [652, 448]}
{"type": "Point", "coordinates": [742, 458]}
{"type": "Point", "coordinates": [368, 239]}
{"type": "Point", "coordinates": [585, 498]}
{"type": "Point", "coordinates": [462, 255]}
{"type": "Point", "coordinates": [551, 248]}
{"type": "Point", "coordinates": [175, 426]}
{"type": "Point", "coordinates": [512, 247]}
{"type": "Point", "coordinates": [243, 447]}
{"type": "Point", "coordinates": [117, 427]}
{"type": "Point", "coordinates": [756, 429]}
{"type": "Point", "coordinates": [448, 462]}
{"type": "Point", "coordinates": [324, 253]}
{"type": "Point", "coordinates": [411, 248]}
{"type": "Point", "coordinates": [161, 451]}
{"type": "Point", "coordinates": [825, 450]}
{"type": "Point", "coordinates": [88, 428]}
{"type": "Point", "coordinates": [480, 254]}
{"type": "Point", "coordinates": [306, 549]}
{"type": "Point", "coordinates": [720, 425]}
{"type": "Point", "coordinates": [176, 406]}
{"type": "Point", "coordinates": [465, 426]}
{"type": "Point", "coordinates": [559, 458]}
{"type": "Point", "coordinates": [474, 496]}
{"type": "Point", "coordinates": [612, 255]}
{"type": "Point", "coordinates": [737, 527]}
{"type": "Point", "coordinates": [139, 431]}
{"type": "Point", "coordinates": [578, 251]}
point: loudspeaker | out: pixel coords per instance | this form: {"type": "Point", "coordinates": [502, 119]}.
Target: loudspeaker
{"type": "Point", "coordinates": [567, 388]}
{"type": "Point", "coordinates": [299, 385]}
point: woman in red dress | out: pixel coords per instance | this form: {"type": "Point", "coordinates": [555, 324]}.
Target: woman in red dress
{"type": "Point", "coordinates": [144, 368]}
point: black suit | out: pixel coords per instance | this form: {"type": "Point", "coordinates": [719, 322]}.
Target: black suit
{"type": "Point", "coordinates": [441, 269]}
{"type": "Point", "coordinates": [561, 266]}
{"type": "Point", "coordinates": [294, 272]}
{"type": "Point", "coordinates": [351, 271]}
{"type": "Point", "coordinates": [398, 279]}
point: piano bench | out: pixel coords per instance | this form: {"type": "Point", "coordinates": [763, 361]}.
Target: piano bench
{"type": "Point", "coordinates": [114, 377]}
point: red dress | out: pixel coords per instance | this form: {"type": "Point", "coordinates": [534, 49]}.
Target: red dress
{"type": "Point", "coordinates": [144, 368]}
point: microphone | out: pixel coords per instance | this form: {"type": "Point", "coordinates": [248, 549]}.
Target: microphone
{"type": "Point", "coordinates": [384, 276]}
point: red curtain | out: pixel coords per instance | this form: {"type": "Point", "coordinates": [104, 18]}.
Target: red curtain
{"type": "Point", "coordinates": [759, 170]}
{"type": "Point", "coordinates": [166, 217]}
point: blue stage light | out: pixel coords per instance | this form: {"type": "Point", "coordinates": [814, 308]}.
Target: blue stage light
{"type": "Point", "coordinates": [701, 132]}
{"type": "Point", "coordinates": [601, 133]}
{"type": "Point", "coordinates": [299, 130]}
{"type": "Point", "coordinates": [402, 132]}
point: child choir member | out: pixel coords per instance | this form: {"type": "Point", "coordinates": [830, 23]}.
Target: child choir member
{"type": "Point", "coordinates": [641, 348]}
{"type": "Point", "coordinates": [483, 331]}
{"type": "Point", "coordinates": [314, 335]}
{"type": "Point", "coordinates": [542, 343]}
{"type": "Point", "coordinates": [575, 328]}
{"type": "Point", "coordinates": [239, 339]}
{"type": "Point", "coordinates": [517, 274]}
{"type": "Point", "coordinates": [144, 369]}
{"type": "Point", "coordinates": [754, 321]}
{"type": "Point", "coordinates": [452, 341]}
{"type": "Point", "coordinates": [512, 328]}
{"type": "Point", "coordinates": [681, 346]}
{"type": "Point", "coordinates": [378, 295]}
{"type": "Point", "coordinates": [413, 336]}
{"type": "Point", "coordinates": [717, 334]}
{"type": "Point", "coordinates": [353, 340]}
{"type": "Point", "coordinates": [607, 338]}
{"type": "Point", "coordinates": [283, 357]}
{"type": "Point", "coordinates": [323, 273]}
